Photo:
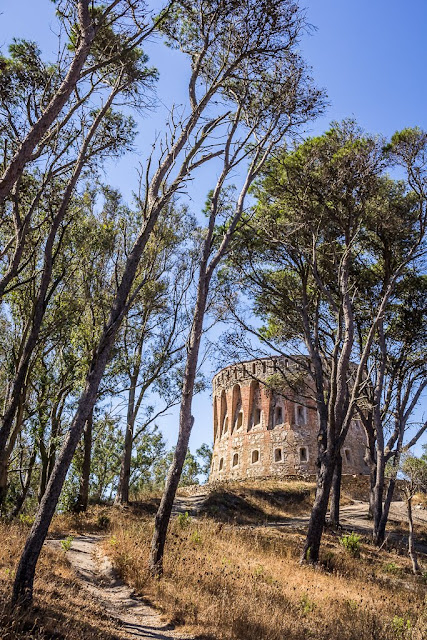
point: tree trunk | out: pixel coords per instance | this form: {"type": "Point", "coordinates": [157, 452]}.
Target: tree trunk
{"type": "Point", "coordinates": [411, 537]}
{"type": "Point", "coordinates": [7, 452]}
{"type": "Point", "coordinates": [23, 586]}
{"type": "Point", "coordinates": [44, 460]}
{"type": "Point", "coordinates": [372, 476]}
{"type": "Point", "coordinates": [186, 422]}
{"type": "Point", "coordinates": [83, 497]}
{"type": "Point", "coordinates": [316, 524]}
{"type": "Point", "coordinates": [122, 496]}
{"type": "Point", "coordinates": [336, 492]}
{"type": "Point", "coordinates": [378, 495]}
{"type": "Point", "coordinates": [20, 501]}
{"type": "Point", "coordinates": [386, 509]}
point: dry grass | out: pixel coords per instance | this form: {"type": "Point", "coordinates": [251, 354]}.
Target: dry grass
{"type": "Point", "coordinates": [62, 608]}
{"type": "Point", "coordinates": [245, 583]}
{"type": "Point", "coordinates": [224, 580]}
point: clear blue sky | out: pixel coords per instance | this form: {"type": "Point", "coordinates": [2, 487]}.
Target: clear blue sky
{"type": "Point", "coordinates": [370, 56]}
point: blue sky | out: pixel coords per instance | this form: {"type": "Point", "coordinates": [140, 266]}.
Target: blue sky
{"type": "Point", "coordinates": [370, 56]}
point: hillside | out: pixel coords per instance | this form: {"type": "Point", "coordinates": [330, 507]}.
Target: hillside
{"type": "Point", "coordinates": [231, 572]}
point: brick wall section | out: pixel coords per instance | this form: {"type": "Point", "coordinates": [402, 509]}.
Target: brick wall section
{"type": "Point", "coordinates": [258, 433]}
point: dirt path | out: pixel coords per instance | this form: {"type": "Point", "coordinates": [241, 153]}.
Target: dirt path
{"type": "Point", "coordinates": [136, 618]}
{"type": "Point", "coordinates": [190, 504]}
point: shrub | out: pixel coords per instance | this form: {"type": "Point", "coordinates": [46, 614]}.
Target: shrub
{"type": "Point", "coordinates": [196, 537]}
{"type": "Point", "coordinates": [351, 542]}
{"type": "Point", "coordinates": [184, 520]}
{"type": "Point", "coordinates": [66, 544]}
{"type": "Point", "coordinates": [401, 627]}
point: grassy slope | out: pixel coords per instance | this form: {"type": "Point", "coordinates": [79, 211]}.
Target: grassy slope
{"type": "Point", "coordinates": [238, 581]}
{"type": "Point", "coordinates": [227, 576]}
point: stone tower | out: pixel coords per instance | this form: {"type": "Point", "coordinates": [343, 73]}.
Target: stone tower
{"type": "Point", "coordinates": [259, 433]}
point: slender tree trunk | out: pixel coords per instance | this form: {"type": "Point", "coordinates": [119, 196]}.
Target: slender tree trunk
{"type": "Point", "coordinates": [386, 509]}
{"type": "Point", "coordinates": [336, 492]}
{"type": "Point", "coordinates": [122, 496]}
{"type": "Point", "coordinates": [23, 586]}
{"type": "Point", "coordinates": [7, 452]}
{"type": "Point", "coordinates": [411, 537]}
{"type": "Point", "coordinates": [186, 422]}
{"type": "Point", "coordinates": [20, 501]}
{"type": "Point", "coordinates": [372, 477]}
{"type": "Point", "coordinates": [43, 472]}
{"type": "Point", "coordinates": [378, 495]}
{"type": "Point", "coordinates": [83, 497]}
{"type": "Point", "coordinates": [310, 552]}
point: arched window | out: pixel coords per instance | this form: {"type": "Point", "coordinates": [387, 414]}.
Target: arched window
{"type": "Point", "coordinates": [255, 413]}
{"type": "Point", "coordinates": [347, 455]}
{"type": "Point", "coordinates": [223, 411]}
{"type": "Point", "coordinates": [300, 417]}
{"type": "Point", "coordinates": [278, 455]}
{"type": "Point", "coordinates": [215, 418]}
{"type": "Point", "coordinates": [278, 415]}
{"type": "Point", "coordinates": [255, 456]}
{"type": "Point", "coordinates": [221, 464]}
{"type": "Point", "coordinates": [225, 428]}
{"type": "Point", "coordinates": [303, 454]}
{"type": "Point", "coordinates": [239, 421]}
{"type": "Point", "coordinates": [237, 413]}
{"type": "Point", "coordinates": [235, 459]}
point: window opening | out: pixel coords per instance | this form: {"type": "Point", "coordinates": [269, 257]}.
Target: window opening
{"type": "Point", "coordinates": [239, 420]}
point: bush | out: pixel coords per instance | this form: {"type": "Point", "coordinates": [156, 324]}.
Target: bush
{"type": "Point", "coordinates": [351, 542]}
{"type": "Point", "coordinates": [184, 520]}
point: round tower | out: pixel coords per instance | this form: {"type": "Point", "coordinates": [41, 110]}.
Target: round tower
{"type": "Point", "coordinates": [260, 433]}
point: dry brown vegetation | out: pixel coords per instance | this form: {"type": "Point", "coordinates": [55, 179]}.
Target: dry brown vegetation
{"type": "Point", "coordinates": [244, 582]}
{"type": "Point", "coordinates": [253, 502]}
{"type": "Point", "coordinates": [226, 580]}
{"type": "Point", "coordinates": [63, 609]}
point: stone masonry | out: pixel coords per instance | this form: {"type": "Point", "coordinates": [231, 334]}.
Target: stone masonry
{"type": "Point", "coordinates": [262, 433]}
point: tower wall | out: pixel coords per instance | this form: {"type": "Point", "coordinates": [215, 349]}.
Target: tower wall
{"type": "Point", "coordinates": [259, 433]}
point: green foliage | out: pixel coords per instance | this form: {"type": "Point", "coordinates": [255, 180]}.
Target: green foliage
{"type": "Point", "coordinates": [183, 520]}
{"type": "Point", "coordinates": [307, 605]}
{"type": "Point", "coordinates": [26, 519]}
{"type": "Point", "coordinates": [66, 543]}
{"type": "Point", "coordinates": [103, 521]}
{"type": "Point", "coordinates": [351, 542]}
{"type": "Point", "coordinates": [392, 567]}
{"type": "Point", "coordinates": [196, 538]}
{"type": "Point", "coordinates": [401, 627]}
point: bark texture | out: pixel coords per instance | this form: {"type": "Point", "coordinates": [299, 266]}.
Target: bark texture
{"type": "Point", "coordinates": [336, 492]}
{"type": "Point", "coordinates": [83, 497]}
{"type": "Point", "coordinates": [411, 537]}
